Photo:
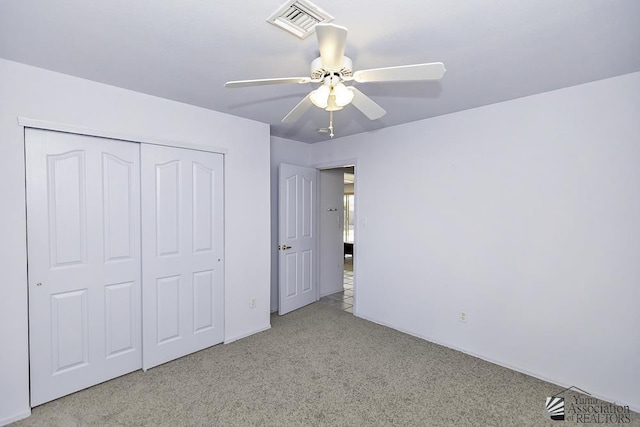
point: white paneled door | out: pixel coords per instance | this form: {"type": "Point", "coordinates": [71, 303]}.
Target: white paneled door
{"type": "Point", "coordinates": [298, 239]}
{"type": "Point", "coordinates": [125, 247]}
{"type": "Point", "coordinates": [182, 251]}
{"type": "Point", "coordinates": [84, 261]}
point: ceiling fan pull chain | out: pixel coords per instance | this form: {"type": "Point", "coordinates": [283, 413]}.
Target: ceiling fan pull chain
{"type": "Point", "coordinates": [331, 124]}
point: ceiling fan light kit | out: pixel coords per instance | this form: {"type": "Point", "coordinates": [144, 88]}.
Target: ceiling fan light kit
{"type": "Point", "coordinates": [320, 96]}
{"type": "Point", "coordinates": [343, 95]}
{"type": "Point", "coordinates": [332, 69]}
{"type": "Point", "coordinates": [332, 95]}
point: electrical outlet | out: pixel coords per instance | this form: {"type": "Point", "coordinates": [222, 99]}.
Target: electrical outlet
{"type": "Point", "coordinates": [252, 303]}
{"type": "Point", "coordinates": [463, 316]}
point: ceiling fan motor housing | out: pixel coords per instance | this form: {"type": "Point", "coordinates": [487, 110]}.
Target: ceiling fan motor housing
{"type": "Point", "coordinates": [318, 70]}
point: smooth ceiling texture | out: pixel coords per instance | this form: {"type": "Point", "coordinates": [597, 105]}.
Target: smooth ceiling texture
{"type": "Point", "coordinates": [185, 50]}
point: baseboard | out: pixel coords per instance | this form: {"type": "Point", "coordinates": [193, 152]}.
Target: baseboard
{"type": "Point", "coordinates": [599, 396]}
{"type": "Point", "coordinates": [239, 337]}
{"type": "Point", "coordinates": [324, 294]}
{"type": "Point", "coordinates": [14, 418]}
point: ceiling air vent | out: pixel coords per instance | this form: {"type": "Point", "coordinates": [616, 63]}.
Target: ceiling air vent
{"type": "Point", "coordinates": [299, 17]}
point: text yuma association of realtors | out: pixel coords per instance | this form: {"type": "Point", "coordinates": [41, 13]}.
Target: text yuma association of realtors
{"type": "Point", "coordinates": [592, 410]}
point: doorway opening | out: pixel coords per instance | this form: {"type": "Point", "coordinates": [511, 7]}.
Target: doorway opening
{"type": "Point", "coordinates": [341, 294]}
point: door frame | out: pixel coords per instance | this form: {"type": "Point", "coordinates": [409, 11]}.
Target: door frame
{"type": "Point", "coordinates": [26, 122]}
{"type": "Point", "coordinates": [341, 164]}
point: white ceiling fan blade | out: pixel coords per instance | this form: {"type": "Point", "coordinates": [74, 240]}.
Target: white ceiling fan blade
{"type": "Point", "coordinates": [365, 104]}
{"type": "Point", "coordinates": [262, 82]}
{"type": "Point", "coordinates": [298, 110]}
{"type": "Point", "coordinates": [331, 41]}
{"type": "Point", "coordinates": [430, 71]}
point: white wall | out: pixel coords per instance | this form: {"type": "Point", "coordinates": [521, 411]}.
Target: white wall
{"type": "Point", "coordinates": [294, 153]}
{"type": "Point", "coordinates": [523, 214]}
{"type": "Point", "coordinates": [331, 232]}
{"type": "Point", "coordinates": [39, 94]}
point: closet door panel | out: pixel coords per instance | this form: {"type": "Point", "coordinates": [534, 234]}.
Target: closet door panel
{"type": "Point", "coordinates": [83, 217]}
{"type": "Point", "coordinates": [182, 252]}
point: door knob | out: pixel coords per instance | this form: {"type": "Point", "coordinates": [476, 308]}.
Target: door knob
{"type": "Point", "coordinates": [284, 247]}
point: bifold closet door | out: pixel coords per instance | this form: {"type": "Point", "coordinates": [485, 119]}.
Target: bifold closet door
{"type": "Point", "coordinates": [182, 249]}
{"type": "Point", "coordinates": [83, 219]}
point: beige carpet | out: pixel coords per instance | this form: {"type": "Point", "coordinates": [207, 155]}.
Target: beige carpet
{"type": "Point", "coordinates": [317, 366]}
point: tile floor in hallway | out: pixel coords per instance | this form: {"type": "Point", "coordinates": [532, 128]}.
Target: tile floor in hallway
{"type": "Point", "coordinates": [343, 300]}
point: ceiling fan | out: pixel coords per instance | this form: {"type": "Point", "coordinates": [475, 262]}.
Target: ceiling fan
{"type": "Point", "coordinates": [332, 69]}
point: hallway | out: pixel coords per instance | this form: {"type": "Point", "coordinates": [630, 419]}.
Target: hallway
{"type": "Point", "coordinates": [343, 300]}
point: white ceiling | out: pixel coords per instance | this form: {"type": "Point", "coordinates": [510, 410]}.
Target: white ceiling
{"type": "Point", "coordinates": [185, 50]}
